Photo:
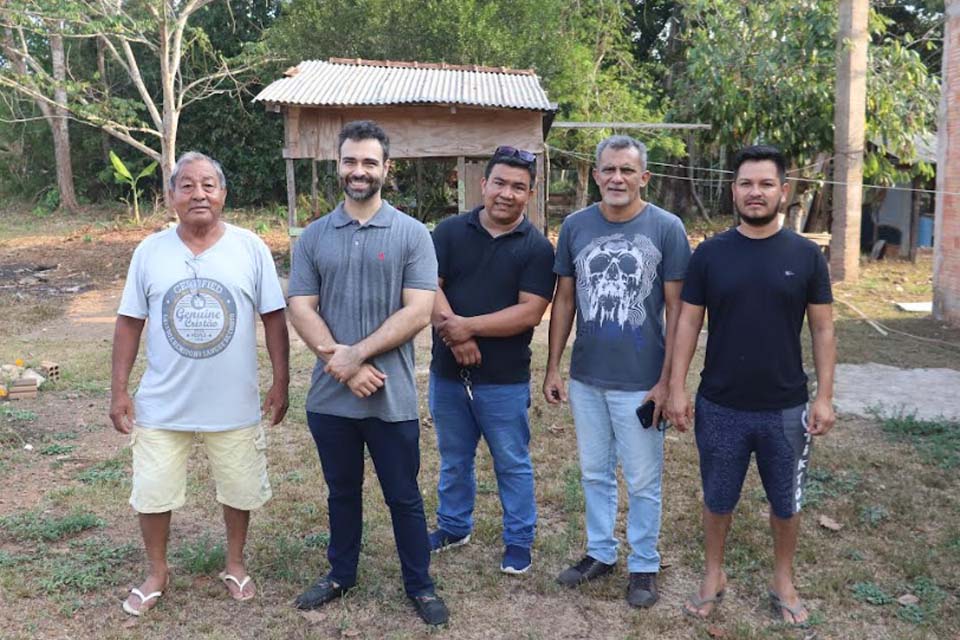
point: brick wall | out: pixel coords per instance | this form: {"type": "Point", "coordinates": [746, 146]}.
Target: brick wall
{"type": "Point", "coordinates": [946, 262]}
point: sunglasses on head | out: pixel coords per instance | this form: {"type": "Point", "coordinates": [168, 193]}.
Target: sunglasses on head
{"type": "Point", "coordinates": [513, 152]}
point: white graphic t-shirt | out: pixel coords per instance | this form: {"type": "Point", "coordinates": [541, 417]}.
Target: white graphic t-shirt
{"type": "Point", "coordinates": [201, 329]}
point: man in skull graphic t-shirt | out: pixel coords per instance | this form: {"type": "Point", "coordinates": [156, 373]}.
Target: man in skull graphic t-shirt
{"type": "Point", "coordinates": [620, 264]}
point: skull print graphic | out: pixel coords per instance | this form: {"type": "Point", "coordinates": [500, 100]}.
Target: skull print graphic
{"type": "Point", "coordinates": [615, 274]}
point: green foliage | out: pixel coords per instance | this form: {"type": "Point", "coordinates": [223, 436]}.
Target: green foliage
{"type": "Point", "coordinates": [123, 175]}
{"type": "Point", "coordinates": [34, 526]}
{"type": "Point", "coordinates": [47, 203]}
{"type": "Point", "coordinates": [113, 471]}
{"type": "Point", "coordinates": [201, 557]}
{"type": "Point", "coordinates": [931, 599]}
{"type": "Point", "coordinates": [57, 449]}
{"type": "Point", "coordinates": [89, 565]}
{"type": "Point", "coordinates": [319, 540]}
{"type": "Point", "coordinates": [8, 559]}
{"type": "Point", "coordinates": [873, 515]}
{"type": "Point", "coordinates": [14, 414]}
{"type": "Point", "coordinates": [871, 594]}
{"type": "Point", "coordinates": [823, 484]}
{"type": "Point", "coordinates": [937, 441]}
{"type": "Point", "coordinates": [765, 71]}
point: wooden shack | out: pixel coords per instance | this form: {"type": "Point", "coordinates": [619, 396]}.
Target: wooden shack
{"type": "Point", "coordinates": [429, 110]}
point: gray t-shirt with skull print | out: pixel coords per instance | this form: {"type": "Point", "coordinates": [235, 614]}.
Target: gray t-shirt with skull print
{"type": "Point", "coordinates": [619, 269]}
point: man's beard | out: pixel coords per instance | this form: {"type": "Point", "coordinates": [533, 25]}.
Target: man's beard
{"type": "Point", "coordinates": [372, 188]}
{"type": "Point", "coordinates": [757, 221]}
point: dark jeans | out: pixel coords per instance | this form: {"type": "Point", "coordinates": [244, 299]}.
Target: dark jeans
{"type": "Point", "coordinates": [395, 450]}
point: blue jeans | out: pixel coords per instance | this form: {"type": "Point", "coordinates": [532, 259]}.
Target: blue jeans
{"type": "Point", "coordinates": [608, 430]}
{"type": "Point", "coordinates": [395, 450]}
{"type": "Point", "coordinates": [498, 412]}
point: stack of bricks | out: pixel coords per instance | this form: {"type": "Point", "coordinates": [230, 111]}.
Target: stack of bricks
{"type": "Point", "coordinates": [22, 389]}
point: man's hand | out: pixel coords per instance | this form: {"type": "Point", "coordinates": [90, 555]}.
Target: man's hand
{"type": "Point", "coordinates": [453, 329]}
{"type": "Point", "coordinates": [821, 417]}
{"type": "Point", "coordinates": [367, 381]}
{"type": "Point", "coordinates": [658, 393]}
{"type": "Point", "coordinates": [343, 361]}
{"type": "Point", "coordinates": [678, 409]}
{"type": "Point", "coordinates": [276, 403]}
{"type": "Point", "coordinates": [554, 390]}
{"type": "Point", "coordinates": [467, 354]}
{"type": "Point", "coordinates": [121, 411]}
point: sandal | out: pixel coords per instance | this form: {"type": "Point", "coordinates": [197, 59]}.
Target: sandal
{"type": "Point", "coordinates": [144, 599]}
{"type": "Point", "coordinates": [694, 603]}
{"type": "Point", "coordinates": [779, 606]}
{"type": "Point", "coordinates": [226, 578]}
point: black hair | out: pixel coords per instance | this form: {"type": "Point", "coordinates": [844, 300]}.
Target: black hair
{"type": "Point", "coordinates": [512, 161]}
{"type": "Point", "coordinates": [758, 152]}
{"type": "Point", "coordinates": [364, 130]}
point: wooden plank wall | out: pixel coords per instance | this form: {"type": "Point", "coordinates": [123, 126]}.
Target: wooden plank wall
{"type": "Point", "coordinates": [427, 132]}
{"type": "Point", "coordinates": [415, 132]}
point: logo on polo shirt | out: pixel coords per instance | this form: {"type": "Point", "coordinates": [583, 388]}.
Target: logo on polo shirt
{"type": "Point", "coordinates": [380, 256]}
{"type": "Point", "coordinates": [199, 317]}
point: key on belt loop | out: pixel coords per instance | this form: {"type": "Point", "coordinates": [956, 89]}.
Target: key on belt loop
{"type": "Point", "coordinates": [467, 384]}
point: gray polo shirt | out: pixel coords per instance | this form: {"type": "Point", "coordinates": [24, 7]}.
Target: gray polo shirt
{"type": "Point", "coordinates": [359, 272]}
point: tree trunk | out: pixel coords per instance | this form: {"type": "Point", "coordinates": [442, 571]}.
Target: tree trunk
{"type": "Point", "coordinates": [102, 70]}
{"type": "Point", "coordinates": [583, 183]}
{"type": "Point", "coordinates": [59, 128]}
{"type": "Point", "coordinates": [691, 163]}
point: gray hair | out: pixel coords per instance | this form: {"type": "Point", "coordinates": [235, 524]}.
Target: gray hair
{"type": "Point", "coordinates": [195, 156]}
{"type": "Point", "coordinates": [623, 142]}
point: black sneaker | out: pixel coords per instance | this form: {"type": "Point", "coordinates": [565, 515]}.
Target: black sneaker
{"type": "Point", "coordinates": [642, 590]}
{"type": "Point", "coordinates": [320, 593]}
{"type": "Point", "coordinates": [431, 609]}
{"type": "Point", "coordinates": [584, 571]}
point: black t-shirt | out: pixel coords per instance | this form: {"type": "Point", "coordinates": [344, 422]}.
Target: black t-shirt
{"type": "Point", "coordinates": [482, 274]}
{"type": "Point", "coordinates": [756, 293]}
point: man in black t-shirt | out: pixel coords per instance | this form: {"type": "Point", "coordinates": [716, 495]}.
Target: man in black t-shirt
{"type": "Point", "coordinates": [496, 280]}
{"type": "Point", "coordinates": [756, 283]}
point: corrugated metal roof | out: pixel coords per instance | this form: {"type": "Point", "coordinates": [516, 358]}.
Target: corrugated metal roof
{"type": "Point", "coordinates": [366, 82]}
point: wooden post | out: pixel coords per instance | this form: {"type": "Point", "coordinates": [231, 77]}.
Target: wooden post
{"type": "Point", "coordinates": [314, 198]}
{"type": "Point", "coordinates": [536, 209]}
{"type": "Point", "coordinates": [461, 186]}
{"type": "Point", "coordinates": [915, 198]}
{"type": "Point", "coordinates": [291, 195]}
{"type": "Point", "coordinates": [546, 189]}
{"type": "Point", "coordinates": [420, 210]}
{"type": "Point", "coordinates": [849, 124]}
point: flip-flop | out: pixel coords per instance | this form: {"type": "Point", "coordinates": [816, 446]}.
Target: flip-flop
{"type": "Point", "coordinates": [696, 602]}
{"type": "Point", "coordinates": [227, 578]}
{"type": "Point", "coordinates": [779, 606]}
{"type": "Point", "coordinates": [143, 600]}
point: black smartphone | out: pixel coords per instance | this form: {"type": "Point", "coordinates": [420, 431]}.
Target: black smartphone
{"type": "Point", "coordinates": [645, 415]}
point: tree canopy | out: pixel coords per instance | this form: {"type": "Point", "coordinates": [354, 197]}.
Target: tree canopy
{"type": "Point", "coordinates": [163, 77]}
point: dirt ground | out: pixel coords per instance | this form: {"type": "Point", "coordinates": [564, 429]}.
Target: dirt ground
{"type": "Point", "coordinates": [59, 296]}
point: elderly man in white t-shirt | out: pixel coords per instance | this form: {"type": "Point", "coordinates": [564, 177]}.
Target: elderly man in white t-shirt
{"type": "Point", "coordinates": [201, 285]}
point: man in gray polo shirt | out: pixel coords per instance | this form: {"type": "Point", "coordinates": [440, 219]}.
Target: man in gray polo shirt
{"type": "Point", "coordinates": [362, 285]}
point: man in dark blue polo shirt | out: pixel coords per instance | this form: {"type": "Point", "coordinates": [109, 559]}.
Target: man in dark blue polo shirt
{"type": "Point", "coordinates": [496, 280]}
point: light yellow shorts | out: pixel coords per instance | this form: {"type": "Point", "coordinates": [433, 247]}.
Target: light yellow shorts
{"type": "Point", "coordinates": [238, 462]}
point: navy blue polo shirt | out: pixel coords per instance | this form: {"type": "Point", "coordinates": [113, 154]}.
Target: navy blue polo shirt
{"type": "Point", "coordinates": [482, 274]}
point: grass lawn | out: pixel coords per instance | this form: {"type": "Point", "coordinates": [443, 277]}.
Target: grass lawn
{"type": "Point", "coordinates": [70, 548]}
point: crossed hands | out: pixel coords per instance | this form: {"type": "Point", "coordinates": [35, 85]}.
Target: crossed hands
{"type": "Point", "coordinates": [456, 334]}
{"type": "Point", "coordinates": [346, 366]}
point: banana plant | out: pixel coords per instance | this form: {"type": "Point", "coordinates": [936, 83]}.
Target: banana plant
{"type": "Point", "coordinates": [123, 175]}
